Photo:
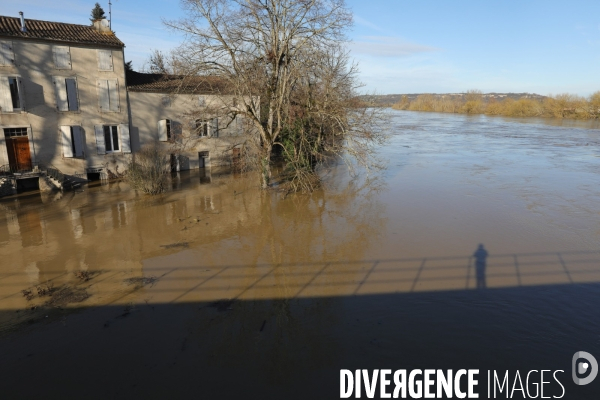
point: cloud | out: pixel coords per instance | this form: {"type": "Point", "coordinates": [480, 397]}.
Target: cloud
{"type": "Point", "coordinates": [363, 22]}
{"type": "Point", "coordinates": [388, 46]}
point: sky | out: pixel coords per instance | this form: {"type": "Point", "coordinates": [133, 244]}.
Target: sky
{"type": "Point", "coordinates": [417, 46]}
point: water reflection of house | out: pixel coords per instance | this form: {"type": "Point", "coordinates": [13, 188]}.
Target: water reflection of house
{"type": "Point", "coordinates": [66, 102]}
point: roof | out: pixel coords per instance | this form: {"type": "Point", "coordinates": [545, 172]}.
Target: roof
{"type": "Point", "coordinates": [162, 83]}
{"type": "Point", "coordinates": [57, 31]}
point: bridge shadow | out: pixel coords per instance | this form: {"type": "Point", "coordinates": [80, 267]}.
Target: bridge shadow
{"type": "Point", "coordinates": [294, 348]}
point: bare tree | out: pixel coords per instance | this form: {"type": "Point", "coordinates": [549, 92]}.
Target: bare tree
{"type": "Point", "coordinates": [284, 62]}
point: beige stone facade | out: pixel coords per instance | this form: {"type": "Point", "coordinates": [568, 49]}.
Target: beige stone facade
{"type": "Point", "coordinates": [186, 128]}
{"type": "Point", "coordinates": [61, 94]}
{"type": "Point", "coordinates": [65, 103]}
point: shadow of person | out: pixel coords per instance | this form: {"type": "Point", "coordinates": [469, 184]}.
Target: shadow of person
{"type": "Point", "coordinates": [480, 257]}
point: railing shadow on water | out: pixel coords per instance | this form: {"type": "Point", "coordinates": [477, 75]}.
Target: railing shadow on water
{"type": "Point", "coordinates": [480, 271]}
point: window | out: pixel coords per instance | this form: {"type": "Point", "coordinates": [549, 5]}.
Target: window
{"type": "Point", "coordinates": [72, 141]}
{"type": "Point", "coordinates": [6, 53]}
{"type": "Point", "coordinates": [206, 127]}
{"type": "Point", "coordinates": [12, 132]}
{"type": "Point", "coordinates": [202, 127]}
{"type": "Point", "coordinates": [108, 95]}
{"type": "Point", "coordinates": [105, 62]}
{"type": "Point", "coordinates": [165, 130]}
{"type": "Point", "coordinates": [66, 94]}
{"type": "Point", "coordinates": [62, 57]}
{"type": "Point", "coordinates": [11, 93]}
{"type": "Point", "coordinates": [112, 139]}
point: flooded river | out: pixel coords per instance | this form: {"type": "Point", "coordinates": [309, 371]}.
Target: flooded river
{"type": "Point", "coordinates": [477, 247]}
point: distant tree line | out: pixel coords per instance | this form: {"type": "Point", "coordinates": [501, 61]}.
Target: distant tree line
{"type": "Point", "coordinates": [474, 102]}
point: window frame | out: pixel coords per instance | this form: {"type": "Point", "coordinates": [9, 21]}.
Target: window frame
{"type": "Point", "coordinates": [111, 134]}
{"type": "Point", "coordinates": [19, 93]}
{"type": "Point", "coordinates": [203, 128]}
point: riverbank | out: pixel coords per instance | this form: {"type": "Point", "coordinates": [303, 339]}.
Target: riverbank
{"type": "Point", "coordinates": [474, 102]}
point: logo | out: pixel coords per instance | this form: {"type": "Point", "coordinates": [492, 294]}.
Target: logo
{"type": "Point", "coordinates": [581, 367]}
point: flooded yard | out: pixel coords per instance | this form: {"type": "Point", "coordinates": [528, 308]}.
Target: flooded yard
{"type": "Point", "coordinates": [477, 247]}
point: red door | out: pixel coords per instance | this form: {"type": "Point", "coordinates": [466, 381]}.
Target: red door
{"type": "Point", "coordinates": [19, 156]}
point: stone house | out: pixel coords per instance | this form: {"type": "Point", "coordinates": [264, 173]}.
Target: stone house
{"type": "Point", "coordinates": [66, 106]}
{"type": "Point", "coordinates": [63, 101]}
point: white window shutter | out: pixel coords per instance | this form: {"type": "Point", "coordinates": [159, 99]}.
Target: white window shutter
{"type": "Point", "coordinates": [214, 127]}
{"type": "Point", "coordinates": [61, 94]}
{"type": "Point", "coordinates": [3, 151]}
{"type": "Point", "coordinates": [62, 57]}
{"type": "Point", "coordinates": [113, 95]}
{"type": "Point", "coordinates": [66, 140]}
{"type": "Point", "coordinates": [125, 138]}
{"type": "Point", "coordinates": [100, 145]}
{"type": "Point", "coordinates": [6, 53]}
{"type": "Point", "coordinates": [103, 101]}
{"type": "Point", "coordinates": [71, 85]}
{"type": "Point", "coordinates": [105, 60]}
{"type": "Point", "coordinates": [78, 140]}
{"type": "Point", "coordinates": [162, 130]}
{"type": "Point", "coordinates": [22, 93]}
{"type": "Point", "coordinates": [5, 97]}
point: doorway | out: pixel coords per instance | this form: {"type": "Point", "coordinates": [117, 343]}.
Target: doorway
{"type": "Point", "coordinates": [203, 159]}
{"type": "Point", "coordinates": [17, 147]}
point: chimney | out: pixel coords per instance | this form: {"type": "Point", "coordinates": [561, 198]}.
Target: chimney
{"type": "Point", "coordinates": [23, 28]}
{"type": "Point", "coordinates": [102, 25]}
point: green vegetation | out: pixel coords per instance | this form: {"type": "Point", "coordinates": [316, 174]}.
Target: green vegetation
{"type": "Point", "coordinates": [474, 102]}
{"type": "Point", "coordinates": [97, 13]}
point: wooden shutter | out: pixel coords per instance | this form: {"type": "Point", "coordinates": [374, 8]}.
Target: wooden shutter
{"type": "Point", "coordinates": [71, 85]}
{"type": "Point", "coordinates": [105, 60]}
{"type": "Point", "coordinates": [125, 139]}
{"type": "Point", "coordinates": [66, 140]}
{"type": "Point", "coordinates": [113, 95]}
{"type": "Point", "coordinates": [100, 145]}
{"type": "Point", "coordinates": [5, 97]}
{"type": "Point", "coordinates": [162, 130]}
{"type": "Point", "coordinates": [214, 128]}
{"type": "Point", "coordinates": [61, 94]}
{"type": "Point", "coordinates": [78, 141]}
{"type": "Point", "coordinates": [6, 53]}
{"type": "Point", "coordinates": [103, 101]}
{"type": "Point", "coordinates": [62, 57]}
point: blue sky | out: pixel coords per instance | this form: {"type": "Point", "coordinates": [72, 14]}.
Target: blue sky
{"type": "Point", "coordinates": [545, 47]}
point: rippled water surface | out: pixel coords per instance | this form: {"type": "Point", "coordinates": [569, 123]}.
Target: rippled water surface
{"type": "Point", "coordinates": [217, 279]}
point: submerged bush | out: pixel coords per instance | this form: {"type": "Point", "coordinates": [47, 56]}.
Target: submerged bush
{"type": "Point", "coordinates": [149, 170]}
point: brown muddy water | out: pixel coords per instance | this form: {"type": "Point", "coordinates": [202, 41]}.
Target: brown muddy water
{"type": "Point", "coordinates": [218, 290]}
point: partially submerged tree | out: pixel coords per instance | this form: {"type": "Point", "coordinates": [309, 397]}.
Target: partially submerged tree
{"type": "Point", "coordinates": [97, 13]}
{"type": "Point", "coordinates": [149, 170]}
{"type": "Point", "coordinates": [284, 63]}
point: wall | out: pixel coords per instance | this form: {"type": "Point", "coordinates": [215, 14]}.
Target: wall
{"type": "Point", "coordinates": [149, 108]}
{"type": "Point", "coordinates": [34, 62]}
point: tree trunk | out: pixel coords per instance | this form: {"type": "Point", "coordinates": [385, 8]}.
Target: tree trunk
{"type": "Point", "coordinates": [266, 166]}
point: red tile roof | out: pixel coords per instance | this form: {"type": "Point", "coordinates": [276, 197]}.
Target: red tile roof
{"type": "Point", "coordinates": [56, 31]}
